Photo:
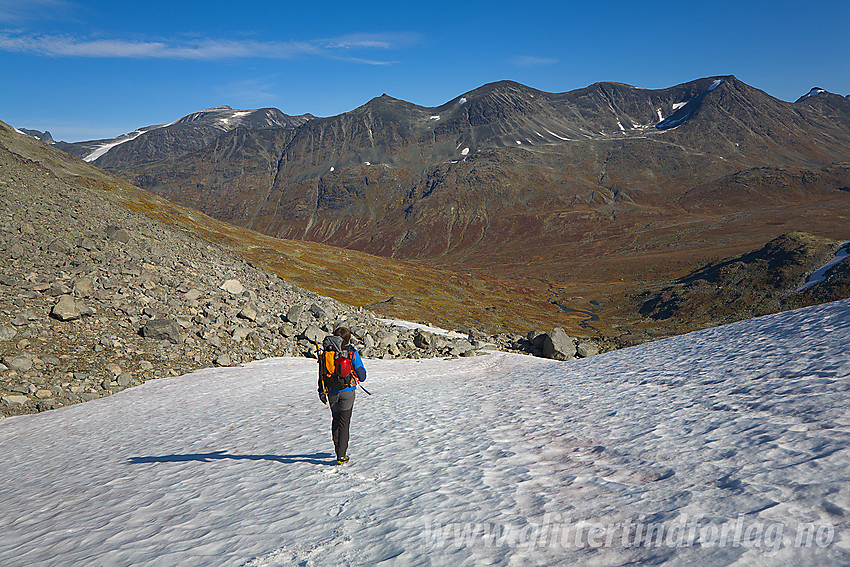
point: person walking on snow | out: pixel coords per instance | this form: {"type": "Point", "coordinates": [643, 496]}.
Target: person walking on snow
{"type": "Point", "coordinates": [340, 370]}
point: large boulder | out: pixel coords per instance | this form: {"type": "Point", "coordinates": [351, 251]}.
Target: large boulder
{"type": "Point", "coordinates": [558, 345]}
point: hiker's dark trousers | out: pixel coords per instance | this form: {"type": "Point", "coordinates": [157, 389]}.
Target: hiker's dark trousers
{"type": "Point", "coordinates": [341, 405]}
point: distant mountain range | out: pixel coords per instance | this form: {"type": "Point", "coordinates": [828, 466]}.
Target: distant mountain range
{"type": "Point", "coordinates": [593, 192]}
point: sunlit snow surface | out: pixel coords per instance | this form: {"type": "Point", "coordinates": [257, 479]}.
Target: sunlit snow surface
{"type": "Point", "coordinates": [742, 427]}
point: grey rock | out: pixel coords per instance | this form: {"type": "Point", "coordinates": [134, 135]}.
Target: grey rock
{"type": "Point", "coordinates": [193, 295]}
{"type": "Point", "coordinates": [83, 287]}
{"type": "Point", "coordinates": [59, 246]}
{"type": "Point", "coordinates": [536, 339]}
{"type": "Point", "coordinates": [558, 345]}
{"type": "Point", "coordinates": [13, 399]}
{"type": "Point", "coordinates": [240, 333]}
{"type": "Point", "coordinates": [321, 312]}
{"type": "Point", "coordinates": [233, 287]}
{"type": "Point", "coordinates": [223, 360]}
{"type": "Point", "coordinates": [124, 379]}
{"type": "Point", "coordinates": [7, 333]}
{"type": "Point", "coordinates": [248, 312]}
{"type": "Point", "coordinates": [85, 310]}
{"type": "Point", "coordinates": [20, 320]}
{"type": "Point", "coordinates": [387, 340]}
{"type": "Point", "coordinates": [423, 340]}
{"type": "Point", "coordinates": [117, 234]}
{"type": "Point", "coordinates": [16, 251]}
{"type": "Point", "coordinates": [313, 334]}
{"type": "Point", "coordinates": [162, 330]}
{"type": "Point", "coordinates": [58, 288]}
{"type": "Point", "coordinates": [585, 349]}
{"type": "Point", "coordinates": [66, 309]}
{"type": "Point", "coordinates": [19, 363]}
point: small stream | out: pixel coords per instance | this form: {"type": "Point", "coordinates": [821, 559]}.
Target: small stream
{"type": "Point", "coordinates": [589, 315]}
{"type": "Point", "coordinates": [584, 323]}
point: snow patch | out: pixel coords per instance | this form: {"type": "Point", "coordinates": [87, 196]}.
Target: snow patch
{"type": "Point", "coordinates": [436, 330]}
{"type": "Point", "coordinates": [820, 274]}
{"type": "Point", "coordinates": [678, 105]}
{"type": "Point", "coordinates": [435, 117]}
{"type": "Point", "coordinates": [464, 151]}
{"type": "Point", "coordinates": [367, 163]}
{"type": "Point", "coordinates": [814, 92]}
{"type": "Point", "coordinates": [557, 136]}
{"type": "Point", "coordinates": [462, 100]}
{"type": "Point", "coordinates": [660, 117]}
{"type": "Point", "coordinates": [100, 151]}
{"type": "Point", "coordinates": [332, 169]}
{"type": "Point", "coordinates": [518, 142]}
{"type": "Point", "coordinates": [715, 84]}
{"type": "Point", "coordinates": [620, 125]}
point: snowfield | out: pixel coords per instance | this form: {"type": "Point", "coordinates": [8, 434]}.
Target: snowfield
{"type": "Point", "coordinates": [720, 447]}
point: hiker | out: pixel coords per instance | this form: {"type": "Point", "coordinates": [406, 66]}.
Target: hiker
{"type": "Point", "coordinates": [340, 370]}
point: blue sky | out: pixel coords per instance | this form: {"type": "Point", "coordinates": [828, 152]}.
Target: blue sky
{"type": "Point", "coordinates": [87, 70]}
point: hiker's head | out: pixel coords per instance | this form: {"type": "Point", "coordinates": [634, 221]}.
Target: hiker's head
{"type": "Point", "coordinates": [344, 333]}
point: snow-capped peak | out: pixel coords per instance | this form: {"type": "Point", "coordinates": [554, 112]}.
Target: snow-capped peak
{"type": "Point", "coordinates": [814, 91]}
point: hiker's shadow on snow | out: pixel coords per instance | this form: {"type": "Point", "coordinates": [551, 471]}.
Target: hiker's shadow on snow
{"type": "Point", "coordinates": [313, 459]}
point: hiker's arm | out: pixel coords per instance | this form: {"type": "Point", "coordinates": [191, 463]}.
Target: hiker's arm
{"type": "Point", "coordinates": [359, 369]}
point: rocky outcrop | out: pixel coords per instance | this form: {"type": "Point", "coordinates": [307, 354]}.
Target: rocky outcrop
{"type": "Point", "coordinates": [757, 283]}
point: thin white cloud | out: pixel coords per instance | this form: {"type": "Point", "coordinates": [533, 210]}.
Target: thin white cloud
{"type": "Point", "coordinates": [205, 49]}
{"type": "Point", "coordinates": [17, 11]}
{"type": "Point", "coordinates": [532, 61]}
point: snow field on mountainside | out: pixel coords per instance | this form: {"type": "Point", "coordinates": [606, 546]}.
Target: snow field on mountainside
{"type": "Point", "coordinates": [725, 445]}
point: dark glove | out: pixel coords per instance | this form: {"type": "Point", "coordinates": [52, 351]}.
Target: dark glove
{"type": "Point", "coordinates": [323, 398]}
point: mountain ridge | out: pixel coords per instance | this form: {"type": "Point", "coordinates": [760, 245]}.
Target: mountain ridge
{"type": "Point", "coordinates": [581, 190]}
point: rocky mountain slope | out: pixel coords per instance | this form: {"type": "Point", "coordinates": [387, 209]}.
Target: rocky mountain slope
{"type": "Point", "coordinates": [105, 286]}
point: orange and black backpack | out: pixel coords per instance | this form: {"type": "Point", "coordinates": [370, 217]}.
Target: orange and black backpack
{"type": "Point", "coordinates": [336, 365]}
